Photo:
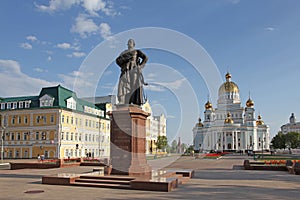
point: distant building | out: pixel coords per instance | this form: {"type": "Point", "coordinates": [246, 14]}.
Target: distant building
{"type": "Point", "coordinates": [55, 123]}
{"type": "Point", "coordinates": [155, 126]}
{"type": "Point", "coordinates": [292, 126]}
{"type": "Point", "coordinates": [230, 127]}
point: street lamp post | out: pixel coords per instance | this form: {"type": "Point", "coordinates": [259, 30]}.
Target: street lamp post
{"type": "Point", "coordinates": [2, 140]}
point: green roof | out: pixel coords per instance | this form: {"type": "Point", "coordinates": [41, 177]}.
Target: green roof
{"type": "Point", "coordinates": [60, 95]}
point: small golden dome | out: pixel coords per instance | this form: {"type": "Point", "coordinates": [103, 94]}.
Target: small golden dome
{"type": "Point", "coordinates": [228, 86]}
{"type": "Point", "coordinates": [259, 121]}
{"type": "Point", "coordinates": [228, 120]}
{"type": "Point", "coordinates": [199, 124]}
{"type": "Point", "coordinates": [208, 105]}
{"type": "Point", "coordinates": [228, 76]}
{"type": "Point", "coordinates": [250, 103]}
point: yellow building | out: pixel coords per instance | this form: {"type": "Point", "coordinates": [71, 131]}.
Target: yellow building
{"type": "Point", "coordinates": [55, 124]}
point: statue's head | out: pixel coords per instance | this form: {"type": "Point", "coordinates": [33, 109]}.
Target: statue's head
{"type": "Point", "coordinates": [131, 44]}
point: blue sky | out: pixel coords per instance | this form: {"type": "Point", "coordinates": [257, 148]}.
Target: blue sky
{"type": "Point", "coordinates": [45, 43]}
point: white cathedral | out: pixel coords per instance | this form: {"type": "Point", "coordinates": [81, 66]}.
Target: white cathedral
{"type": "Point", "coordinates": [230, 127]}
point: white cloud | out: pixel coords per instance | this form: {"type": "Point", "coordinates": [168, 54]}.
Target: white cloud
{"type": "Point", "coordinates": [31, 38]}
{"type": "Point", "coordinates": [173, 85]}
{"type": "Point", "coordinates": [64, 45]}
{"type": "Point", "coordinates": [105, 31]}
{"type": "Point", "coordinates": [76, 54]}
{"type": "Point", "coordinates": [84, 26]}
{"type": "Point", "coordinates": [37, 69]}
{"type": "Point", "coordinates": [55, 5]}
{"type": "Point", "coordinates": [269, 29]}
{"type": "Point", "coordinates": [49, 52]}
{"type": "Point", "coordinates": [93, 6]}
{"type": "Point", "coordinates": [49, 58]}
{"type": "Point", "coordinates": [20, 84]}
{"type": "Point", "coordinates": [84, 80]}
{"type": "Point", "coordinates": [26, 45]}
{"type": "Point", "coordinates": [155, 88]}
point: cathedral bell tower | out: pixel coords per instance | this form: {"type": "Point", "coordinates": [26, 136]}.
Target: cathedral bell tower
{"type": "Point", "coordinates": [250, 113]}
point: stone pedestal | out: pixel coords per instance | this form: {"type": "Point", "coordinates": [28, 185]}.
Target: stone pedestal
{"type": "Point", "coordinates": [128, 141]}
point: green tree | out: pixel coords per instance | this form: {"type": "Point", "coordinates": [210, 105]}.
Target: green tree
{"type": "Point", "coordinates": [278, 141]}
{"type": "Point", "coordinates": [174, 146]}
{"type": "Point", "coordinates": [162, 142]}
{"type": "Point", "coordinates": [292, 139]}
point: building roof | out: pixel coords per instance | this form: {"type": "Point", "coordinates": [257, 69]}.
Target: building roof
{"type": "Point", "coordinates": [60, 95]}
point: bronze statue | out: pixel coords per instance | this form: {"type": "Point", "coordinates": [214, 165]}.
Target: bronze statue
{"type": "Point", "coordinates": [131, 62]}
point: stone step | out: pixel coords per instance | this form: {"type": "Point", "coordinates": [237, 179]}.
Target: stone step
{"type": "Point", "coordinates": [106, 181]}
{"type": "Point", "coordinates": [101, 185]}
{"type": "Point", "coordinates": [121, 178]}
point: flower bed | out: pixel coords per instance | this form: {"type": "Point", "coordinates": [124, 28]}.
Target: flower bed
{"type": "Point", "coordinates": [71, 160]}
{"type": "Point", "coordinates": [212, 156]}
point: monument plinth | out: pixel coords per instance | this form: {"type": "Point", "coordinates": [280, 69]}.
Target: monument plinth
{"type": "Point", "coordinates": [128, 141]}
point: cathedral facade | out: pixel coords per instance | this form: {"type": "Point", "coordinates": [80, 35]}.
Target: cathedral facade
{"type": "Point", "coordinates": [230, 126]}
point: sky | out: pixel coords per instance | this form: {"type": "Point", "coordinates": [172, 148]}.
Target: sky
{"type": "Point", "coordinates": [191, 44]}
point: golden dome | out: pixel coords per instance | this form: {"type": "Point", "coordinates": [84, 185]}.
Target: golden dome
{"type": "Point", "coordinates": [250, 103]}
{"type": "Point", "coordinates": [208, 105]}
{"type": "Point", "coordinates": [199, 124]}
{"type": "Point", "coordinates": [228, 86]}
{"type": "Point", "coordinates": [228, 120]}
{"type": "Point", "coordinates": [259, 121]}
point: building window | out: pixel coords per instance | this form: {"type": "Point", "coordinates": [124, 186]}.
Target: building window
{"type": "Point", "coordinates": [21, 104]}
{"type": "Point", "coordinates": [52, 118]}
{"type": "Point", "coordinates": [27, 104]}
{"type": "Point", "coordinates": [79, 136]}
{"type": "Point", "coordinates": [63, 119]}
{"type": "Point", "coordinates": [19, 120]}
{"type": "Point", "coordinates": [13, 119]}
{"type": "Point", "coordinates": [90, 123]}
{"type": "Point", "coordinates": [37, 119]}
{"type": "Point", "coordinates": [86, 122]}
{"type": "Point", "coordinates": [18, 136]}
{"type": "Point", "coordinates": [12, 136]}
{"type": "Point", "coordinates": [80, 122]}
{"type": "Point", "coordinates": [2, 106]}
{"type": "Point", "coordinates": [17, 154]}
{"type": "Point", "coordinates": [76, 136]}
{"type": "Point", "coordinates": [67, 152]}
{"type": "Point", "coordinates": [76, 121]}
{"type": "Point", "coordinates": [67, 136]}
{"type": "Point", "coordinates": [45, 119]}
{"type": "Point", "coordinates": [72, 120]}
{"type": "Point", "coordinates": [86, 137]}
{"type": "Point", "coordinates": [67, 121]}
{"type": "Point", "coordinates": [72, 136]}
{"type": "Point", "coordinates": [25, 136]}
{"type": "Point", "coordinates": [25, 119]}
{"type": "Point", "coordinates": [90, 137]}
{"type": "Point", "coordinates": [62, 135]}
{"type": "Point", "coordinates": [37, 136]}
{"type": "Point", "coordinates": [8, 105]}
{"type": "Point", "coordinates": [44, 137]}
{"type": "Point", "coordinates": [15, 104]}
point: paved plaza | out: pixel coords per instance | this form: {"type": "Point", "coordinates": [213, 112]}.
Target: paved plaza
{"type": "Point", "coordinates": [214, 179]}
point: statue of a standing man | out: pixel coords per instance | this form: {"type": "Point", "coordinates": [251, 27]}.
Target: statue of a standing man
{"type": "Point", "coordinates": [131, 62]}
